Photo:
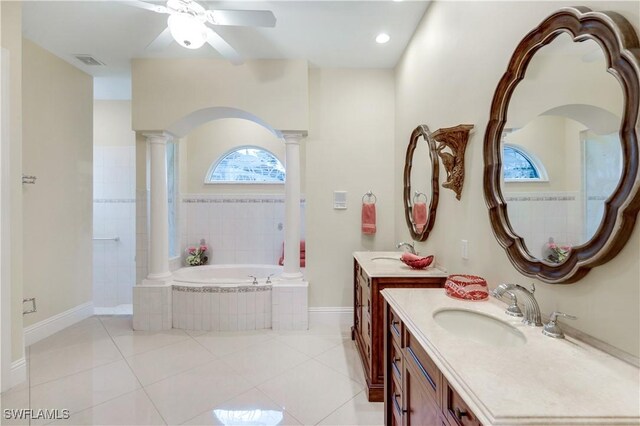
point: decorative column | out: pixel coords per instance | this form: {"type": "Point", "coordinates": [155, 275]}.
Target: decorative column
{"type": "Point", "coordinates": [159, 210]}
{"type": "Point", "coordinates": [292, 205]}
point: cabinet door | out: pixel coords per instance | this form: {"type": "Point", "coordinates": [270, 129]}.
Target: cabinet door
{"type": "Point", "coordinates": [420, 409]}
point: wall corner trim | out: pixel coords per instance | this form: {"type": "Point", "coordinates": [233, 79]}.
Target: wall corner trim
{"type": "Point", "coordinates": [18, 372]}
{"type": "Point", "coordinates": [52, 325]}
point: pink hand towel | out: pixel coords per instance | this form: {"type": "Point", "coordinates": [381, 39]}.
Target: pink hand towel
{"type": "Point", "coordinates": [368, 218]}
{"type": "Point", "coordinates": [420, 216]}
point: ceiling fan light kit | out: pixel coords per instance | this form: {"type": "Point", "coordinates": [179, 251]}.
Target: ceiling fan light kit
{"type": "Point", "coordinates": [187, 30]}
{"type": "Point", "coordinates": [187, 25]}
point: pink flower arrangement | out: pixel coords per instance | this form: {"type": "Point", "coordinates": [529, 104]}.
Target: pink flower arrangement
{"type": "Point", "coordinates": [197, 255]}
{"type": "Point", "coordinates": [557, 253]}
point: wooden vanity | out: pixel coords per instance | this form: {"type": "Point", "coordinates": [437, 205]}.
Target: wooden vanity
{"type": "Point", "coordinates": [372, 273]}
{"type": "Point", "coordinates": [417, 392]}
{"type": "Point", "coordinates": [435, 376]}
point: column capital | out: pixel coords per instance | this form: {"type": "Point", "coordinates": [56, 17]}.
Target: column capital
{"type": "Point", "coordinates": [158, 137]}
{"type": "Point", "coordinates": [293, 136]}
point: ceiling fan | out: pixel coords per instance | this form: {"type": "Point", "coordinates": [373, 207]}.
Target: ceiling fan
{"type": "Point", "coordinates": [187, 25]}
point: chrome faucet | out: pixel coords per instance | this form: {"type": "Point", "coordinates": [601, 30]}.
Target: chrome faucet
{"type": "Point", "coordinates": [407, 245]}
{"type": "Point", "coordinates": [532, 315]}
{"type": "Point", "coordinates": [255, 279]}
{"type": "Point", "coordinates": [269, 279]}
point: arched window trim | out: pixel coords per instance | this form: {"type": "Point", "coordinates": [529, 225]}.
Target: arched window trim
{"type": "Point", "coordinates": [215, 164]}
{"type": "Point", "coordinates": [534, 160]}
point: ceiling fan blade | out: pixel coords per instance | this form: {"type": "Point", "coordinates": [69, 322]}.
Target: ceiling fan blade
{"type": "Point", "coordinates": [161, 42]}
{"type": "Point", "coordinates": [243, 18]}
{"type": "Point", "coordinates": [224, 48]}
{"type": "Point", "coordinates": [144, 5]}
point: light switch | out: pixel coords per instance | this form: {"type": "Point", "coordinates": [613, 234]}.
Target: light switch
{"type": "Point", "coordinates": [339, 200]}
{"type": "Point", "coordinates": [465, 249]}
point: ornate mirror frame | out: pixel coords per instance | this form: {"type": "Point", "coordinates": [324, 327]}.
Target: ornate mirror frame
{"type": "Point", "coordinates": [421, 131]}
{"type": "Point", "coordinates": [617, 38]}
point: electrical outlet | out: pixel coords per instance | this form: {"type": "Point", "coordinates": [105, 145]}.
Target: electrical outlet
{"type": "Point", "coordinates": [465, 249]}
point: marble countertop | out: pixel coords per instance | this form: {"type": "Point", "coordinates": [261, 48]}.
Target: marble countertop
{"type": "Point", "coordinates": [388, 264]}
{"type": "Point", "coordinates": [545, 381]}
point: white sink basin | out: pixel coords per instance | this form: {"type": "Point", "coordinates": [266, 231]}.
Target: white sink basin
{"type": "Point", "coordinates": [386, 260]}
{"type": "Point", "coordinates": [479, 328]}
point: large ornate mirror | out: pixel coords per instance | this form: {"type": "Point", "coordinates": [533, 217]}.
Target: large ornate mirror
{"type": "Point", "coordinates": [421, 180]}
{"type": "Point", "coordinates": [561, 148]}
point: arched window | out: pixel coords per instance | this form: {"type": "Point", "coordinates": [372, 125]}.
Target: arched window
{"type": "Point", "coordinates": [247, 164]}
{"type": "Point", "coordinates": [518, 165]}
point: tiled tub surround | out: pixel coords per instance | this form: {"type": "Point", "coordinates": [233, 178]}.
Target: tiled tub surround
{"type": "Point", "coordinates": [552, 214]}
{"type": "Point", "coordinates": [237, 228]}
{"type": "Point", "coordinates": [114, 210]}
{"type": "Point", "coordinates": [222, 298]}
{"type": "Point", "coordinates": [215, 308]}
{"type": "Point", "coordinates": [543, 381]}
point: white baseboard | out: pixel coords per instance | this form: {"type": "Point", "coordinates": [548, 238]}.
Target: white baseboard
{"type": "Point", "coordinates": [18, 372]}
{"type": "Point", "coordinates": [332, 309]}
{"type": "Point", "coordinates": [115, 310]}
{"type": "Point", "coordinates": [52, 325]}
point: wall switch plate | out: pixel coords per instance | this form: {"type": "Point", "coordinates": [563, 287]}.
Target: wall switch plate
{"type": "Point", "coordinates": [465, 249]}
{"type": "Point", "coordinates": [339, 200]}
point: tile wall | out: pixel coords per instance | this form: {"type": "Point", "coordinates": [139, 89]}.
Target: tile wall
{"type": "Point", "coordinates": [537, 216]}
{"type": "Point", "coordinates": [238, 228]}
{"type": "Point", "coordinates": [114, 212]}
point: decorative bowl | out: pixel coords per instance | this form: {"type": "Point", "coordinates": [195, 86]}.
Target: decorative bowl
{"type": "Point", "coordinates": [466, 287]}
{"type": "Point", "coordinates": [416, 262]}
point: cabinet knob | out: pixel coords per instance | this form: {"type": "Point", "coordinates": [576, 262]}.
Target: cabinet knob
{"type": "Point", "coordinates": [460, 413]}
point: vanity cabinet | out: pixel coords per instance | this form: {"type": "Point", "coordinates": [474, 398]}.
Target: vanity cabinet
{"type": "Point", "coordinates": [416, 392]}
{"type": "Point", "coordinates": [368, 318]}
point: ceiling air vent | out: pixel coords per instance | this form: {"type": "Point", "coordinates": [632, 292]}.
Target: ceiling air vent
{"type": "Point", "coordinates": [88, 60]}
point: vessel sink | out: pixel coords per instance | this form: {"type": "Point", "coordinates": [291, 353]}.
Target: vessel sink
{"type": "Point", "coordinates": [479, 328]}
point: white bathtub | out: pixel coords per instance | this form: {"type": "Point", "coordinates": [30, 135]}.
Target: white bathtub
{"type": "Point", "coordinates": [223, 297]}
{"type": "Point", "coordinates": [226, 275]}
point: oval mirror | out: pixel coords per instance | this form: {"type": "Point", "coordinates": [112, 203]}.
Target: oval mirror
{"type": "Point", "coordinates": [421, 180]}
{"type": "Point", "coordinates": [561, 148]}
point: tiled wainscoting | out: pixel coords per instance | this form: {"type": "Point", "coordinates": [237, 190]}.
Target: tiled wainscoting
{"type": "Point", "coordinates": [114, 208]}
{"type": "Point", "coordinates": [239, 229]}
{"type": "Point", "coordinates": [556, 215]}
{"type": "Point", "coordinates": [222, 308]}
{"type": "Point", "coordinates": [281, 306]}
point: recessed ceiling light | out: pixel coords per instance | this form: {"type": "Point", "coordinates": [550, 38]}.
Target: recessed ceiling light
{"type": "Point", "coordinates": [382, 38]}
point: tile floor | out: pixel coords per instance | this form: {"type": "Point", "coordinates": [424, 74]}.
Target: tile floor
{"type": "Point", "coordinates": [104, 373]}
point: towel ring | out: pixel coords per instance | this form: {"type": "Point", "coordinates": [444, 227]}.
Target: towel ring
{"type": "Point", "coordinates": [369, 195]}
{"type": "Point", "coordinates": [416, 197]}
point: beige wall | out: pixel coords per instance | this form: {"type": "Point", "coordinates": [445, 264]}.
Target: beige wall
{"type": "Point", "coordinates": [112, 123]}
{"type": "Point", "coordinates": [11, 39]}
{"type": "Point", "coordinates": [447, 76]}
{"type": "Point", "coordinates": [350, 148]}
{"type": "Point", "coordinates": [166, 90]}
{"type": "Point", "coordinates": [207, 143]}
{"type": "Point", "coordinates": [58, 148]}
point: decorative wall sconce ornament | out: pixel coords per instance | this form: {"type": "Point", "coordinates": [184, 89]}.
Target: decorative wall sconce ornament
{"type": "Point", "coordinates": [454, 138]}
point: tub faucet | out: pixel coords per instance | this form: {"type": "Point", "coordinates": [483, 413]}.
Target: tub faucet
{"type": "Point", "coordinates": [532, 315]}
{"type": "Point", "coordinates": [409, 246]}
{"type": "Point", "coordinates": [269, 279]}
{"type": "Point", "coordinates": [255, 279]}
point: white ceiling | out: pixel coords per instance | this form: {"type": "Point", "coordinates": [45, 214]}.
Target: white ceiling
{"type": "Point", "coordinates": [326, 33]}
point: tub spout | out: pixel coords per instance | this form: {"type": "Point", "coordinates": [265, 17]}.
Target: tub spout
{"type": "Point", "coordinates": [255, 279]}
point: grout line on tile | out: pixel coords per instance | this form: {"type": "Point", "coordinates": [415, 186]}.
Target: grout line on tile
{"type": "Point", "coordinates": [137, 379]}
{"type": "Point", "coordinates": [348, 401]}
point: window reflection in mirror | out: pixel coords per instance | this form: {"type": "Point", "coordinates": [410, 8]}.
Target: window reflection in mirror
{"type": "Point", "coordinates": [563, 119]}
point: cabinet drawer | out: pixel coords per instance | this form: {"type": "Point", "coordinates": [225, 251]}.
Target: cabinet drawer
{"type": "Point", "coordinates": [397, 363]}
{"type": "Point", "coordinates": [455, 409]}
{"type": "Point", "coordinates": [416, 357]}
{"type": "Point", "coordinates": [395, 328]}
{"type": "Point", "coordinates": [396, 402]}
